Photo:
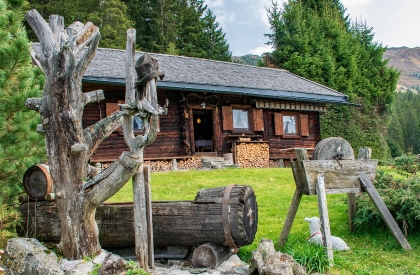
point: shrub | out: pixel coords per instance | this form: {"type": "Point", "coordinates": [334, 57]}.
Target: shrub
{"type": "Point", "coordinates": [402, 198]}
{"type": "Point", "coordinates": [407, 165]}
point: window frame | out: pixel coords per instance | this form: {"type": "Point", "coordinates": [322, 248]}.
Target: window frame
{"type": "Point", "coordinates": [111, 107]}
{"type": "Point", "coordinates": [255, 119]}
{"type": "Point", "coordinates": [301, 125]}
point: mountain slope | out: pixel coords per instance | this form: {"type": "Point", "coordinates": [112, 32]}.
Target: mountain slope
{"type": "Point", "coordinates": [407, 60]}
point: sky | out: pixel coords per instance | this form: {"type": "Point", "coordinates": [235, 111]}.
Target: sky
{"type": "Point", "coordinates": [394, 22]}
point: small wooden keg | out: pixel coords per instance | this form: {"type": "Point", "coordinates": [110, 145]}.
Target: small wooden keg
{"type": "Point", "coordinates": [37, 181]}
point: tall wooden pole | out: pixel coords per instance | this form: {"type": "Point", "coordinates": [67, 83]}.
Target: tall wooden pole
{"type": "Point", "coordinates": [139, 192]}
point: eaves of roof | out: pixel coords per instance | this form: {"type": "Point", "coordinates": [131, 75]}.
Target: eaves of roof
{"type": "Point", "coordinates": [270, 94]}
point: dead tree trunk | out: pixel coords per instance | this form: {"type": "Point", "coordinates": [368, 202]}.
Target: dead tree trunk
{"type": "Point", "coordinates": [64, 58]}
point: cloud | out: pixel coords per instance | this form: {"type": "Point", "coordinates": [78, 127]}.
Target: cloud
{"type": "Point", "coordinates": [213, 4]}
{"type": "Point", "coordinates": [261, 49]}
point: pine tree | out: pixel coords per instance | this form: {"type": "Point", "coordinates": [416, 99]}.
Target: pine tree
{"type": "Point", "coordinates": [215, 46]}
{"type": "Point", "coordinates": [20, 145]}
{"type": "Point", "coordinates": [315, 39]}
{"type": "Point", "coordinates": [185, 27]}
{"type": "Point", "coordinates": [111, 18]}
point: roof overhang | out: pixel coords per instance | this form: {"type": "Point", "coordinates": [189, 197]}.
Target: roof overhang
{"type": "Point", "coordinates": [258, 93]}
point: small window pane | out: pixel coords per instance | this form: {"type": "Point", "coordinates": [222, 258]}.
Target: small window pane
{"type": "Point", "coordinates": [138, 123]}
{"type": "Point", "coordinates": [240, 119]}
{"type": "Point", "coordinates": [289, 124]}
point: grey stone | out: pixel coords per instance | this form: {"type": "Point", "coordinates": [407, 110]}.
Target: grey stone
{"type": "Point", "coordinates": [29, 256]}
{"type": "Point", "coordinates": [267, 261]}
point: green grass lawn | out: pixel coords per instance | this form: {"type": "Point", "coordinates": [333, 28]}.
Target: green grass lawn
{"type": "Point", "coordinates": [372, 251]}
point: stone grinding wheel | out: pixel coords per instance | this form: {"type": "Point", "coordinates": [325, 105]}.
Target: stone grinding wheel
{"type": "Point", "coordinates": [333, 148]}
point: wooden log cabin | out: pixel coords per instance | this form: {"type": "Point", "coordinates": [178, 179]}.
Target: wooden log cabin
{"type": "Point", "coordinates": [214, 108]}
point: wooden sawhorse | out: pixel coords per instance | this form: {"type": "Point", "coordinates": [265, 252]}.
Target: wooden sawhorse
{"type": "Point", "coordinates": [322, 177]}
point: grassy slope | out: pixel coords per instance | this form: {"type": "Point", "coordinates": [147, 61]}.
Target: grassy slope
{"type": "Point", "coordinates": [373, 252]}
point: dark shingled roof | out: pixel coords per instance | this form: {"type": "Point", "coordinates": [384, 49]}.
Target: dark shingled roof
{"type": "Point", "coordinates": [202, 75]}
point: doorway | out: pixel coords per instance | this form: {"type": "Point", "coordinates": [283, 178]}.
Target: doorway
{"type": "Point", "coordinates": [203, 130]}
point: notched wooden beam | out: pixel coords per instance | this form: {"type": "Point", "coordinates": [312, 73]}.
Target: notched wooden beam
{"type": "Point", "coordinates": [94, 96]}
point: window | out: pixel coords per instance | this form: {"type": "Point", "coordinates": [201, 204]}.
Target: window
{"type": "Point", "coordinates": [240, 119]}
{"type": "Point", "coordinates": [291, 125]}
{"type": "Point", "coordinates": [237, 117]}
{"type": "Point", "coordinates": [138, 123]}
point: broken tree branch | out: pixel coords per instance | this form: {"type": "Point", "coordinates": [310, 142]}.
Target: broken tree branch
{"type": "Point", "coordinates": [94, 96]}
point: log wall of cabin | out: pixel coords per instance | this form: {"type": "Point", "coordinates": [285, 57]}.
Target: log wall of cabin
{"type": "Point", "coordinates": [277, 143]}
{"type": "Point", "coordinates": [169, 141]}
{"type": "Point", "coordinates": [176, 138]}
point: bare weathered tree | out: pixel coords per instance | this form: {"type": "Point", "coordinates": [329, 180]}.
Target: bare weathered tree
{"type": "Point", "coordinates": [65, 56]}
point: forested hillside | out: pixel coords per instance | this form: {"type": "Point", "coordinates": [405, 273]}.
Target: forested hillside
{"type": "Point", "coordinates": [178, 27]}
{"type": "Point", "coordinates": [315, 39]}
{"type": "Point", "coordinates": [404, 125]}
{"type": "Point", "coordinates": [248, 59]}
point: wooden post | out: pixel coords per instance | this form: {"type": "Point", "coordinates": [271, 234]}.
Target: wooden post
{"type": "Point", "coordinates": [325, 221]}
{"type": "Point", "coordinates": [148, 192]}
{"type": "Point", "coordinates": [352, 207]}
{"type": "Point", "coordinates": [291, 214]}
{"type": "Point", "coordinates": [138, 181]}
{"type": "Point", "coordinates": [301, 154]}
{"type": "Point", "coordinates": [383, 210]}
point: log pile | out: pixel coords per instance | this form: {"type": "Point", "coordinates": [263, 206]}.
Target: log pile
{"type": "Point", "coordinates": [167, 165]}
{"type": "Point", "coordinates": [189, 164]}
{"type": "Point", "coordinates": [159, 165]}
{"type": "Point", "coordinates": [253, 155]}
{"type": "Point", "coordinates": [274, 163]}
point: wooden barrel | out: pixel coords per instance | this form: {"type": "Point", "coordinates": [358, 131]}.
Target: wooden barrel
{"type": "Point", "coordinates": [175, 223]}
{"type": "Point", "coordinates": [37, 181]}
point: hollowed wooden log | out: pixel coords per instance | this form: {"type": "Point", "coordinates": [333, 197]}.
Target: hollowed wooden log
{"type": "Point", "coordinates": [175, 223]}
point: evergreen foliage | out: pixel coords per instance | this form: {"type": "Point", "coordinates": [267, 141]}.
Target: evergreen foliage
{"type": "Point", "coordinates": [403, 135]}
{"type": "Point", "coordinates": [184, 27]}
{"type": "Point", "coordinates": [316, 40]}
{"type": "Point", "coordinates": [401, 196]}
{"type": "Point", "coordinates": [20, 145]}
{"type": "Point", "coordinates": [177, 27]}
{"type": "Point", "coordinates": [110, 16]}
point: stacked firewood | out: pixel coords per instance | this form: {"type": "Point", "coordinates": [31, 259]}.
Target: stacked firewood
{"type": "Point", "coordinates": [189, 164]}
{"type": "Point", "coordinates": [159, 165]}
{"type": "Point", "coordinates": [273, 163]}
{"type": "Point", "coordinates": [253, 155]}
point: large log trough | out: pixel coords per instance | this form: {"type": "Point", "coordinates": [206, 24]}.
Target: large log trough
{"type": "Point", "coordinates": [225, 216]}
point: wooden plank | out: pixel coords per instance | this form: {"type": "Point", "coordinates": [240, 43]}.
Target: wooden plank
{"type": "Point", "coordinates": [383, 210]}
{"type": "Point", "coordinates": [257, 117]}
{"type": "Point", "coordinates": [340, 175]}
{"type": "Point", "coordinates": [227, 117]}
{"type": "Point", "coordinates": [111, 108]}
{"type": "Point", "coordinates": [325, 221]}
{"type": "Point", "coordinates": [148, 192]}
{"type": "Point", "coordinates": [297, 175]}
{"type": "Point", "coordinates": [278, 124]}
{"type": "Point", "coordinates": [291, 214]}
{"type": "Point", "coordinates": [351, 198]}
{"type": "Point", "coordinates": [304, 127]}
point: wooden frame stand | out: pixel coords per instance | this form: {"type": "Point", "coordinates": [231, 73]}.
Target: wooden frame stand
{"type": "Point", "coordinates": [322, 177]}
